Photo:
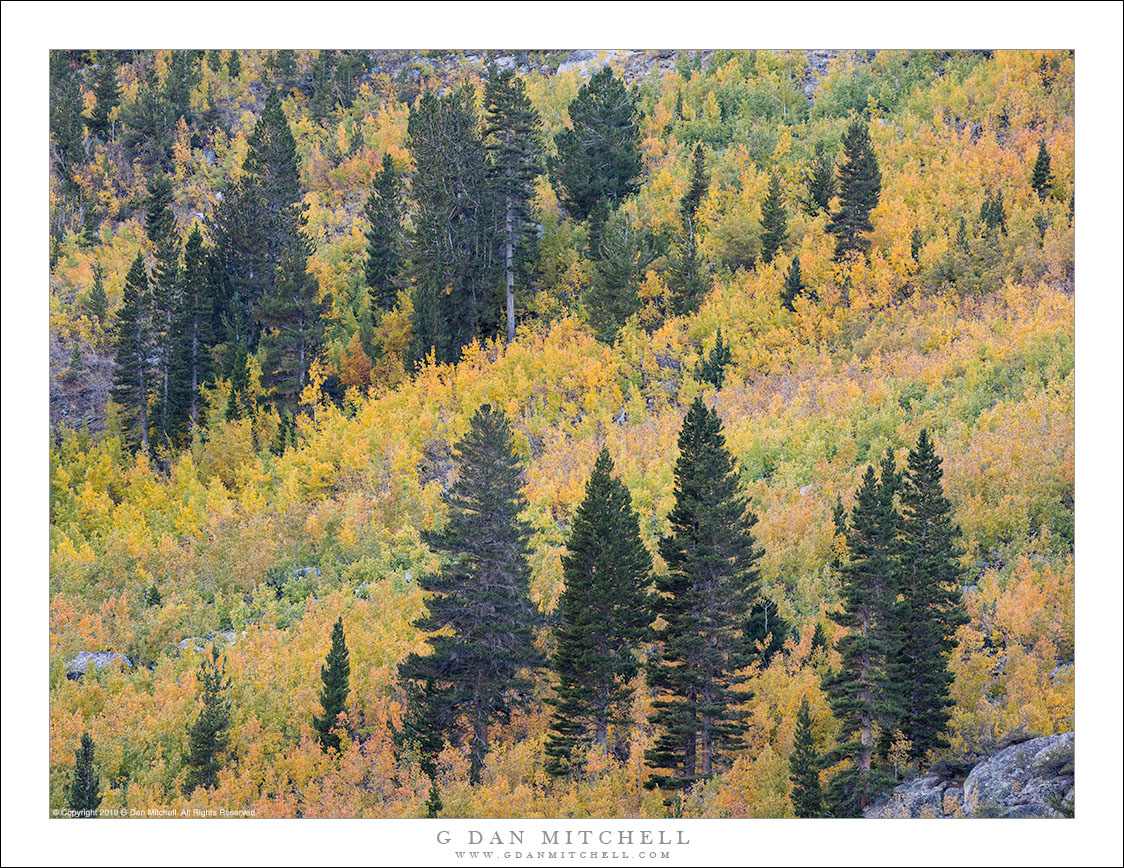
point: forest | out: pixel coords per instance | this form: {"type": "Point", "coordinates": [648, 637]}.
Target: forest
{"type": "Point", "coordinates": [547, 434]}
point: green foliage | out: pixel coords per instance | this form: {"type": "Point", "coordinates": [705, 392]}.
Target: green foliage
{"type": "Point", "coordinates": [208, 736]}
{"type": "Point", "coordinates": [335, 674]}
{"type": "Point", "coordinates": [860, 186]}
{"type": "Point", "coordinates": [688, 283]}
{"type": "Point", "coordinates": [603, 616]}
{"type": "Point", "coordinates": [713, 369]}
{"type": "Point", "coordinates": [512, 135]}
{"type": "Point", "coordinates": [613, 293]}
{"type": "Point", "coordinates": [703, 600]}
{"type": "Point", "coordinates": [1042, 179]}
{"type": "Point", "coordinates": [107, 96]}
{"type": "Point", "coordinates": [384, 211]}
{"type": "Point", "coordinates": [793, 285]}
{"type": "Point", "coordinates": [928, 608]}
{"type": "Point", "coordinates": [132, 376]}
{"type": "Point", "coordinates": [774, 221]}
{"type": "Point", "coordinates": [84, 796]}
{"type": "Point", "coordinates": [454, 236]}
{"type": "Point", "coordinates": [480, 600]}
{"type": "Point", "coordinates": [820, 180]}
{"type": "Point", "coordinates": [804, 766]}
{"type": "Point", "coordinates": [598, 157]}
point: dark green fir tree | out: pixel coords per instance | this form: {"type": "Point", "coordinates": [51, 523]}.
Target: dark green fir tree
{"type": "Point", "coordinates": [384, 237]}
{"type": "Point", "coordinates": [335, 675]}
{"type": "Point", "coordinates": [861, 692]}
{"type": "Point", "coordinates": [97, 303]}
{"type": "Point", "coordinates": [712, 369]}
{"type": "Point", "coordinates": [133, 379]}
{"type": "Point", "coordinates": [929, 607]}
{"type": "Point", "coordinates": [480, 617]}
{"type": "Point", "coordinates": [84, 796]}
{"type": "Point", "coordinates": [107, 96]}
{"type": "Point", "coordinates": [764, 632]}
{"type": "Point", "coordinates": [820, 180]}
{"type": "Point", "coordinates": [793, 285]}
{"type": "Point", "coordinates": [804, 767]}
{"type": "Point", "coordinates": [613, 294]}
{"type": "Point", "coordinates": [687, 281]}
{"type": "Point", "coordinates": [774, 221]}
{"type": "Point", "coordinates": [860, 187]}
{"type": "Point", "coordinates": [512, 138]}
{"type": "Point", "coordinates": [1042, 179]}
{"type": "Point", "coordinates": [603, 617]}
{"type": "Point", "coordinates": [703, 601]}
{"type": "Point", "coordinates": [598, 159]}
{"type": "Point", "coordinates": [208, 736]}
{"type": "Point", "coordinates": [916, 242]}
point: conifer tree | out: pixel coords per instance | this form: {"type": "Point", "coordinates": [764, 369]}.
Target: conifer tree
{"type": "Point", "coordinates": [804, 765]}
{"type": "Point", "coordinates": [454, 230]}
{"type": "Point", "coordinates": [603, 615]}
{"type": "Point", "coordinates": [512, 132]}
{"type": "Point", "coordinates": [915, 243]}
{"type": "Point", "coordinates": [67, 124]}
{"type": "Point", "coordinates": [107, 96]}
{"type": "Point", "coordinates": [84, 796]}
{"type": "Point", "coordinates": [208, 736]}
{"type": "Point", "coordinates": [384, 237]}
{"type": "Point", "coordinates": [132, 376]}
{"type": "Point", "coordinates": [793, 285]}
{"type": "Point", "coordinates": [613, 293]}
{"type": "Point", "coordinates": [97, 303]}
{"type": "Point", "coordinates": [160, 227]}
{"type": "Point", "coordinates": [821, 182]}
{"type": "Point", "coordinates": [194, 331]}
{"type": "Point", "coordinates": [703, 601]}
{"type": "Point", "coordinates": [713, 369]}
{"type": "Point", "coordinates": [860, 187]}
{"type": "Point", "coordinates": [598, 158]}
{"type": "Point", "coordinates": [480, 594]}
{"type": "Point", "coordinates": [688, 284]}
{"type": "Point", "coordinates": [930, 607]}
{"type": "Point", "coordinates": [234, 64]}
{"type": "Point", "coordinates": [1042, 179]}
{"type": "Point", "coordinates": [333, 695]}
{"type": "Point", "coordinates": [861, 693]}
{"type": "Point", "coordinates": [819, 638]}
{"type": "Point", "coordinates": [774, 221]}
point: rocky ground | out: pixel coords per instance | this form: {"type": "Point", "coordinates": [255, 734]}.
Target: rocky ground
{"type": "Point", "coordinates": [1031, 779]}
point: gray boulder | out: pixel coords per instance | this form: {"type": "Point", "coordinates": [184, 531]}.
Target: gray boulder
{"type": "Point", "coordinates": [78, 665]}
{"type": "Point", "coordinates": [1024, 780]}
{"type": "Point", "coordinates": [1031, 779]}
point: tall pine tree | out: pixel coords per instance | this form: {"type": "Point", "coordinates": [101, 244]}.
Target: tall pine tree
{"type": "Point", "coordinates": [132, 374]}
{"type": "Point", "coordinates": [107, 96]}
{"type": "Point", "coordinates": [454, 229]}
{"type": "Point", "coordinates": [1042, 179]}
{"type": "Point", "coordinates": [598, 158]}
{"type": "Point", "coordinates": [703, 601]}
{"type": "Point", "coordinates": [688, 283]}
{"type": "Point", "coordinates": [861, 692]}
{"type": "Point", "coordinates": [820, 180]}
{"type": "Point", "coordinates": [860, 187]}
{"type": "Point", "coordinates": [479, 601]}
{"type": "Point", "coordinates": [208, 736]}
{"type": "Point", "coordinates": [160, 227]}
{"type": "Point", "coordinates": [84, 796]}
{"type": "Point", "coordinates": [613, 294]}
{"type": "Point", "coordinates": [793, 285]}
{"type": "Point", "coordinates": [512, 140]}
{"type": "Point", "coordinates": [603, 616]}
{"type": "Point", "coordinates": [333, 695]}
{"type": "Point", "coordinates": [804, 767]}
{"type": "Point", "coordinates": [929, 607]}
{"type": "Point", "coordinates": [774, 220]}
{"type": "Point", "coordinates": [384, 237]}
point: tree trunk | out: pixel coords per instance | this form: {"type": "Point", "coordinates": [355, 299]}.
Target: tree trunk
{"type": "Point", "coordinates": [509, 269]}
